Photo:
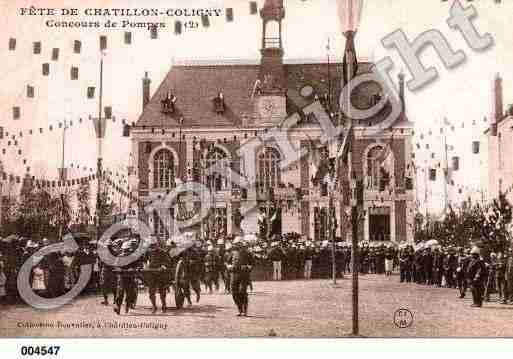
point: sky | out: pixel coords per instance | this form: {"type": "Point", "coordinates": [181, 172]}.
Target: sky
{"type": "Point", "coordinates": [462, 94]}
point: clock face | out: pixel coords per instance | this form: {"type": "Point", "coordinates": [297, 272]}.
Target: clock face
{"type": "Point", "coordinates": [267, 107]}
{"type": "Point", "coordinates": [306, 91]}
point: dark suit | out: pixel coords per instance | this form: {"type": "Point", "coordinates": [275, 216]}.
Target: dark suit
{"type": "Point", "coordinates": [159, 281]}
{"type": "Point", "coordinates": [241, 262]}
{"type": "Point", "coordinates": [476, 275]}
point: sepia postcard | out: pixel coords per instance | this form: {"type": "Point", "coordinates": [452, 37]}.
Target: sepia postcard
{"type": "Point", "coordinates": [255, 169]}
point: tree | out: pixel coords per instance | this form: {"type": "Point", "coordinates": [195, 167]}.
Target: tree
{"type": "Point", "coordinates": [61, 214]}
{"type": "Point", "coordinates": [84, 210]}
{"type": "Point", "coordinates": [40, 213]}
{"type": "Point", "coordinates": [495, 235]}
{"type": "Point", "coordinates": [105, 208]}
{"type": "Point", "coordinates": [9, 205]}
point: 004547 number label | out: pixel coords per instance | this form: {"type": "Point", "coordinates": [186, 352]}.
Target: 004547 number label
{"type": "Point", "coordinates": [39, 350]}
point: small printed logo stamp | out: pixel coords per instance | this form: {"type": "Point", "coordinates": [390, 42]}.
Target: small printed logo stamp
{"type": "Point", "coordinates": [403, 318]}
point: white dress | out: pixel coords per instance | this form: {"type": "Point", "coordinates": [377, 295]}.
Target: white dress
{"type": "Point", "coordinates": [389, 265]}
{"type": "Point", "coordinates": [38, 282]}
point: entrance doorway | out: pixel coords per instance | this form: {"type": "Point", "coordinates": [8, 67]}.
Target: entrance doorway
{"type": "Point", "coordinates": [379, 224]}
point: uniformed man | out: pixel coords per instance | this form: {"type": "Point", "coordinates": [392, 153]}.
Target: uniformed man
{"type": "Point", "coordinates": [476, 275]}
{"type": "Point", "coordinates": [160, 264]}
{"type": "Point", "coordinates": [240, 266]}
{"type": "Point", "coordinates": [227, 275]}
{"type": "Point", "coordinates": [509, 278]}
{"type": "Point", "coordinates": [127, 285]}
{"type": "Point", "coordinates": [450, 267]}
{"type": "Point", "coordinates": [197, 267]}
{"type": "Point", "coordinates": [491, 281]}
{"type": "Point", "coordinates": [308, 255]}
{"type": "Point", "coordinates": [500, 276]}
{"type": "Point", "coordinates": [276, 255]}
{"type": "Point", "coordinates": [461, 273]}
{"type": "Point", "coordinates": [108, 281]}
{"type": "Point", "coordinates": [211, 269]}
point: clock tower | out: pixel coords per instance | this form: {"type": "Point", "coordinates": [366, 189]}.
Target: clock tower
{"type": "Point", "coordinates": [270, 100]}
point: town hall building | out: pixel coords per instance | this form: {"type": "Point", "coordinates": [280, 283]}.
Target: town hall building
{"type": "Point", "coordinates": [203, 113]}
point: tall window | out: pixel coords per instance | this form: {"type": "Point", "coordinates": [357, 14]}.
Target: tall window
{"type": "Point", "coordinates": [268, 168]}
{"type": "Point", "coordinates": [217, 180]}
{"type": "Point", "coordinates": [374, 172]}
{"type": "Point", "coordinates": [163, 169]}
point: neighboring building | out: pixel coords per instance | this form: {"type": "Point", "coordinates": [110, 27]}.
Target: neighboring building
{"type": "Point", "coordinates": [202, 113]}
{"type": "Point", "coordinates": [500, 145]}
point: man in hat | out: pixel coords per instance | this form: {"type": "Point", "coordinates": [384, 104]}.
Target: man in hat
{"type": "Point", "coordinates": [107, 280]}
{"type": "Point", "coordinates": [491, 282]}
{"type": "Point", "coordinates": [127, 285]}
{"type": "Point", "coordinates": [220, 251]}
{"type": "Point", "coordinates": [500, 276]}
{"type": "Point", "coordinates": [197, 272]}
{"type": "Point", "coordinates": [461, 272]}
{"type": "Point", "coordinates": [240, 265]}
{"type": "Point", "coordinates": [340, 260]}
{"type": "Point", "coordinates": [508, 295]}
{"type": "Point", "coordinates": [211, 261]}
{"type": "Point", "coordinates": [276, 255]}
{"type": "Point", "coordinates": [226, 272]}
{"type": "Point", "coordinates": [308, 258]}
{"type": "Point", "coordinates": [160, 266]}
{"type": "Point", "coordinates": [476, 275]}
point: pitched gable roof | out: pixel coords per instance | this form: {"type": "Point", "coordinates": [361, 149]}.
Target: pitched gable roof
{"type": "Point", "coordinates": [196, 85]}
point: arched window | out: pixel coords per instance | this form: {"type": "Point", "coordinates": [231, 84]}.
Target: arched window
{"type": "Point", "coordinates": [163, 169]}
{"type": "Point", "coordinates": [269, 168]}
{"type": "Point", "coordinates": [218, 180]}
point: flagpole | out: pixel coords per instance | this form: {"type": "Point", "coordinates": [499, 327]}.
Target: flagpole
{"type": "Point", "coordinates": [331, 228]}
{"type": "Point", "coordinates": [354, 208]}
{"type": "Point", "coordinates": [99, 169]}
{"type": "Point", "coordinates": [61, 225]}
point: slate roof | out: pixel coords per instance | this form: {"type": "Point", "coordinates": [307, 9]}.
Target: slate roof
{"type": "Point", "coordinates": [195, 86]}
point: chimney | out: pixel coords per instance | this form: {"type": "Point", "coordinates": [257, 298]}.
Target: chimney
{"type": "Point", "coordinates": [401, 92]}
{"type": "Point", "coordinates": [146, 89]}
{"type": "Point", "coordinates": [497, 107]}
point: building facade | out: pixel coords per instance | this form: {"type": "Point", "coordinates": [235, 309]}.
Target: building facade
{"type": "Point", "coordinates": [202, 114]}
{"type": "Point", "coordinates": [500, 145]}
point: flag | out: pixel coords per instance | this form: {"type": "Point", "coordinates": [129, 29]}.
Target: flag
{"type": "Point", "coordinates": [100, 127]}
{"type": "Point", "coordinates": [322, 171]}
{"type": "Point", "coordinates": [349, 63]}
{"type": "Point", "coordinates": [345, 147]}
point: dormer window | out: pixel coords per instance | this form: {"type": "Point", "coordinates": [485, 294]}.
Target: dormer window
{"type": "Point", "coordinates": [219, 103]}
{"type": "Point", "coordinates": [168, 103]}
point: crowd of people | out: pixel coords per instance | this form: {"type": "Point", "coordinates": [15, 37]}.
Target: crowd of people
{"type": "Point", "coordinates": [461, 269]}
{"type": "Point", "coordinates": [285, 257]}
{"type": "Point", "coordinates": [207, 263]}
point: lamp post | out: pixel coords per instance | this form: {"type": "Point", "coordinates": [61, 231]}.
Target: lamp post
{"type": "Point", "coordinates": [349, 12]}
{"type": "Point", "coordinates": [100, 127]}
